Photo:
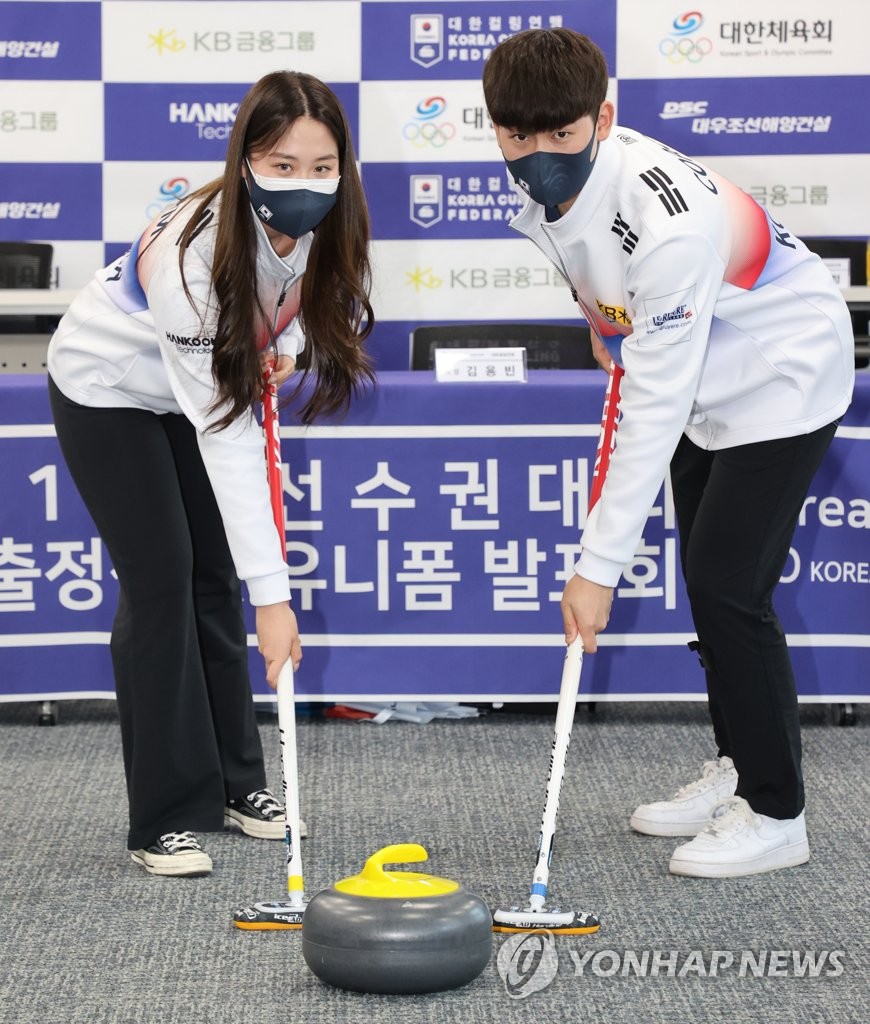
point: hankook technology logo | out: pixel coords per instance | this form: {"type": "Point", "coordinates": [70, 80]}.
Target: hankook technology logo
{"type": "Point", "coordinates": [211, 120]}
{"type": "Point", "coordinates": [683, 44]}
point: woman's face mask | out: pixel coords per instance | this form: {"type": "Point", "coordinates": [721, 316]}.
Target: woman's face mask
{"type": "Point", "coordinates": [553, 178]}
{"type": "Point", "coordinates": [292, 206]}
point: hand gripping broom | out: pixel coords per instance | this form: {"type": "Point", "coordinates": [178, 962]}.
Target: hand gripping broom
{"type": "Point", "coordinates": [536, 915]}
{"type": "Point", "coordinates": [281, 914]}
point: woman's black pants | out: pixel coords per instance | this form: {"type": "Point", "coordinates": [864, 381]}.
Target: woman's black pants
{"type": "Point", "coordinates": [179, 647]}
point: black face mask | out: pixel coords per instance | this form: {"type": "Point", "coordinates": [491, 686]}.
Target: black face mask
{"type": "Point", "coordinates": [292, 206]}
{"type": "Point", "coordinates": [553, 178]}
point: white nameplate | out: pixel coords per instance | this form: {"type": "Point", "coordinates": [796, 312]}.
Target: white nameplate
{"type": "Point", "coordinates": [480, 365]}
{"type": "Point", "coordinates": [840, 268]}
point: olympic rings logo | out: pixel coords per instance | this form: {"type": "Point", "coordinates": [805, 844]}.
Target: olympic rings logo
{"type": "Point", "coordinates": [691, 50]}
{"type": "Point", "coordinates": [429, 134]}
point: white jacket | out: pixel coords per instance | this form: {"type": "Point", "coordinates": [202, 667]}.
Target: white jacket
{"type": "Point", "coordinates": [728, 327]}
{"type": "Point", "coordinates": [118, 347]}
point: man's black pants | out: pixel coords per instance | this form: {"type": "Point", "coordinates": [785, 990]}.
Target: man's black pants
{"type": "Point", "coordinates": [737, 509]}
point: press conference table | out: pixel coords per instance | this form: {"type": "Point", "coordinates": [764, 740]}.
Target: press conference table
{"type": "Point", "coordinates": [34, 301]}
{"type": "Point", "coordinates": [429, 537]}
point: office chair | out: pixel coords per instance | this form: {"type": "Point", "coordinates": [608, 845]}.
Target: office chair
{"type": "Point", "coordinates": [548, 346]}
{"type": "Point", "coordinates": [26, 265]}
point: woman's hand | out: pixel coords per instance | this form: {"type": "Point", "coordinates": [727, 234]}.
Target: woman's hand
{"type": "Point", "coordinates": [281, 369]}
{"type": "Point", "coordinates": [585, 610]}
{"type": "Point", "coordinates": [277, 639]}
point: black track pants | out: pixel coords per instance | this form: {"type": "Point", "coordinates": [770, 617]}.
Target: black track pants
{"type": "Point", "coordinates": [736, 512]}
{"type": "Point", "coordinates": [179, 652]}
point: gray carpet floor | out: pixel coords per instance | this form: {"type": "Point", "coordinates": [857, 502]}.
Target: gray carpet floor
{"type": "Point", "coordinates": [88, 938]}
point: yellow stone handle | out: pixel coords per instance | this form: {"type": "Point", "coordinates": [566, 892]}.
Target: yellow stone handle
{"type": "Point", "coordinates": [400, 853]}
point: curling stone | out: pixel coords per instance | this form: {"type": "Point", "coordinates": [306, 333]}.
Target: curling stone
{"type": "Point", "coordinates": [396, 932]}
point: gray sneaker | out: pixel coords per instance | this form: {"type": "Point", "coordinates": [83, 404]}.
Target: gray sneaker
{"type": "Point", "coordinates": [688, 811]}
{"type": "Point", "coordinates": [175, 853]}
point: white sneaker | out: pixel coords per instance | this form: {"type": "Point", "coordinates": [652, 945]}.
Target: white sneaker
{"type": "Point", "coordinates": [740, 842]}
{"type": "Point", "coordinates": [689, 809]}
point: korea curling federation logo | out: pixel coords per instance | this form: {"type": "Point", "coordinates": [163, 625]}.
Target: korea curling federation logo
{"type": "Point", "coordinates": [427, 206]}
{"type": "Point", "coordinates": [683, 44]}
{"type": "Point", "coordinates": [527, 962]}
{"type": "Point", "coordinates": [427, 39]}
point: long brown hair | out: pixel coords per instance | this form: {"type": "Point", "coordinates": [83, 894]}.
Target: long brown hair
{"type": "Point", "coordinates": [335, 312]}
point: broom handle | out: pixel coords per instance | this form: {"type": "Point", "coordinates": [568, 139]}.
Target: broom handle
{"type": "Point", "coordinates": [286, 697]}
{"type": "Point", "coordinates": [561, 740]}
{"type": "Point", "coordinates": [607, 434]}
{"type": "Point", "coordinates": [570, 686]}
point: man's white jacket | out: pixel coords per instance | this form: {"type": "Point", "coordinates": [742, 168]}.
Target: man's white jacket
{"type": "Point", "coordinates": [729, 329]}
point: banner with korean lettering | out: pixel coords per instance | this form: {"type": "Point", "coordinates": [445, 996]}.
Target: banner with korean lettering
{"type": "Point", "coordinates": [151, 88]}
{"type": "Point", "coordinates": [429, 537]}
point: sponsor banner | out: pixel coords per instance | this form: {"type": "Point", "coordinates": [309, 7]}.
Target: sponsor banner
{"type": "Point", "coordinates": [185, 121]}
{"type": "Point", "coordinates": [486, 279]}
{"type": "Point", "coordinates": [811, 195]}
{"type": "Point", "coordinates": [42, 123]}
{"type": "Point", "coordinates": [743, 38]}
{"type": "Point", "coordinates": [50, 41]}
{"type": "Point", "coordinates": [229, 42]}
{"type": "Point", "coordinates": [440, 200]}
{"type": "Point", "coordinates": [452, 40]}
{"type": "Point", "coordinates": [413, 121]}
{"type": "Point", "coordinates": [750, 116]}
{"type": "Point", "coordinates": [136, 193]}
{"type": "Point", "coordinates": [38, 203]}
{"type": "Point", "coordinates": [450, 525]}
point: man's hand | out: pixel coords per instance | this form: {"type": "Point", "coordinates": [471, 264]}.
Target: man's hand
{"type": "Point", "coordinates": [585, 610]}
{"type": "Point", "coordinates": [599, 351]}
{"type": "Point", "coordinates": [277, 639]}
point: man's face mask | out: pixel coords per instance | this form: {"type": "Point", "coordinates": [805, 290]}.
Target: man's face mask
{"type": "Point", "coordinates": [293, 206]}
{"type": "Point", "coordinates": [553, 178]}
